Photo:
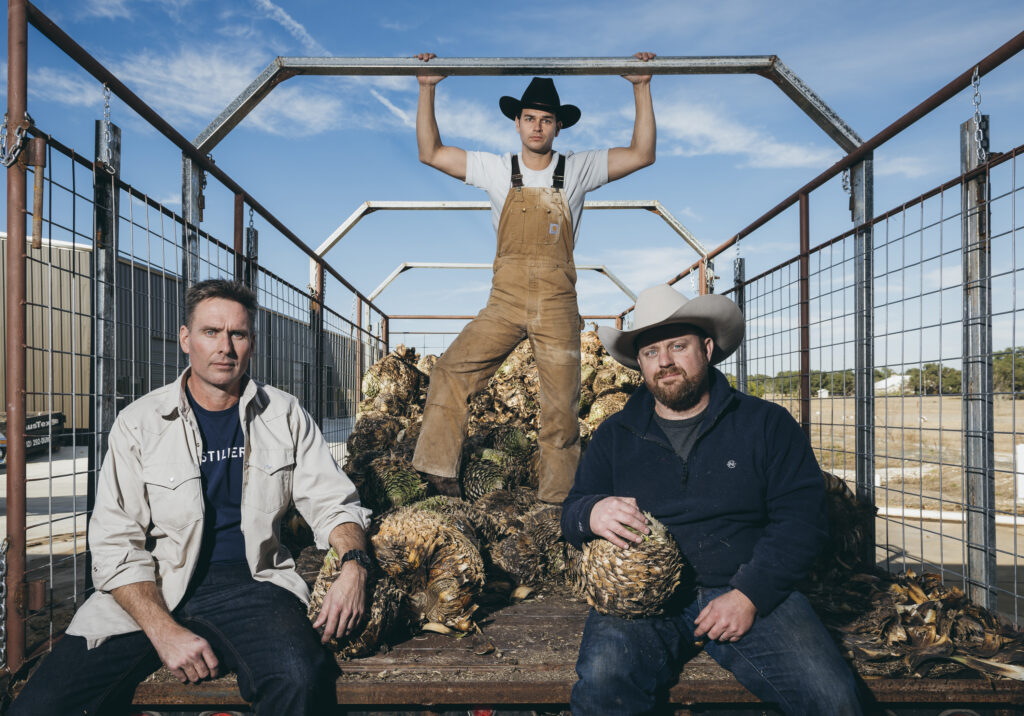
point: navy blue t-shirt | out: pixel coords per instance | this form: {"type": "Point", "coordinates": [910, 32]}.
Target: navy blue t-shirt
{"type": "Point", "coordinates": [221, 468]}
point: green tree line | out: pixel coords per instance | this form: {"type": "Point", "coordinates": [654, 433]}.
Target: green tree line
{"type": "Point", "coordinates": [929, 379]}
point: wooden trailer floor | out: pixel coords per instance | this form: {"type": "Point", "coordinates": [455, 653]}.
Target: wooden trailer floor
{"type": "Point", "coordinates": [523, 658]}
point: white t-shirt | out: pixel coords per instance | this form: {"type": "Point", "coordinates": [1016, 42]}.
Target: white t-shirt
{"type": "Point", "coordinates": [584, 172]}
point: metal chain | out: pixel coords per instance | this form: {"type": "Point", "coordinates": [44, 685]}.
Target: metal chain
{"type": "Point", "coordinates": [976, 101]}
{"type": "Point", "coordinates": [251, 225]}
{"type": "Point", "coordinates": [846, 181]}
{"type": "Point", "coordinates": [3, 603]}
{"type": "Point", "coordinates": [9, 154]}
{"type": "Point", "coordinates": [108, 157]}
{"type": "Point", "coordinates": [693, 283]}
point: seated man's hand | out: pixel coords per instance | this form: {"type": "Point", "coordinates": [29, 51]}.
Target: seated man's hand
{"type": "Point", "coordinates": [726, 617]}
{"type": "Point", "coordinates": [187, 655]}
{"type": "Point", "coordinates": [612, 517]}
{"type": "Point", "coordinates": [345, 603]}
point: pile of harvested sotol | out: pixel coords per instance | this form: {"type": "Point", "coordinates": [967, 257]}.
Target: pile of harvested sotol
{"type": "Point", "coordinates": [439, 556]}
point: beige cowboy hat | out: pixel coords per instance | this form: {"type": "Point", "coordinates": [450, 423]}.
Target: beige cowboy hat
{"type": "Point", "coordinates": [662, 305]}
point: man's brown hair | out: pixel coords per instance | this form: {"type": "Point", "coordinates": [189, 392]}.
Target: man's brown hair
{"type": "Point", "coordinates": [221, 288]}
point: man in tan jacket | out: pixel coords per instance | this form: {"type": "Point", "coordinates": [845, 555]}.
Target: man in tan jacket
{"type": "Point", "coordinates": [188, 566]}
{"type": "Point", "coordinates": [537, 197]}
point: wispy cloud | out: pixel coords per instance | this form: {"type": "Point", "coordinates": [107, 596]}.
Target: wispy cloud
{"type": "Point", "coordinates": [466, 120]}
{"type": "Point", "coordinates": [292, 26]}
{"type": "Point", "coordinates": [693, 129]}
{"type": "Point", "coordinates": [48, 84]}
{"type": "Point", "coordinates": [194, 85]}
{"type": "Point", "coordinates": [120, 9]}
{"type": "Point", "coordinates": [405, 117]}
{"type": "Point", "coordinates": [640, 268]}
{"type": "Point", "coordinates": [170, 200]}
{"type": "Point", "coordinates": [105, 9]}
{"type": "Point", "coordinates": [909, 167]}
{"type": "Point", "coordinates": [396, 26]}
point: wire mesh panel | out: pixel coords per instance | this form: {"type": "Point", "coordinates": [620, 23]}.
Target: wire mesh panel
{"type": "Point", "coordinates": [99, 338]}
{"type": "Point", "coordinates": [920, 467]}
{"type": "Point", "coordinates": [59, 346]}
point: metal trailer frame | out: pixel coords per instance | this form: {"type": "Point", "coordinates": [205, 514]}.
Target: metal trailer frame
{"type": "Point", "coordinates": [407, 265]}
{"type": "Point", "coordinates": [283, 68]}
{"type": "Point", "coordinates": [768, 66]}
{"type": "Point", "coordinates": [858, 160]}
{"type": "Point", "coordinates": [369, 207]}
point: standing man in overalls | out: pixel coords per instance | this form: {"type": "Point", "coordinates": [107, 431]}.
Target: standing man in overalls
{"type": "Point", "coordinates": [536, 198]}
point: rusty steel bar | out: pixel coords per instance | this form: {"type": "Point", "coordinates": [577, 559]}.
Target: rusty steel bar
{"type": "Point", "coordinates": [90, 64]}
{"type": "Point", "coordinates": [316, 323]}
{"type": "Point", "coordinates": [17, 110]}
{"type": "Point", "coordinates": [986, 65]}
{"type": "Point", "coordinates": [35, 152]}
{"type": "Point", "coordinates": [384, 334]}
{"type": "Point", "coordinates": [239, 237]}
{"type": "Point", "coordinates": [805, 314]}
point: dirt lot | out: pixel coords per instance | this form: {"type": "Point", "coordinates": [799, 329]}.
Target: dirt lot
{"type": "Point", "coordinates": [918, 447]}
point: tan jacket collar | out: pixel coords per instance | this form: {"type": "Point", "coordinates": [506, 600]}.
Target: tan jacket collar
{"type": "Point", "coordinates": [175, 402]}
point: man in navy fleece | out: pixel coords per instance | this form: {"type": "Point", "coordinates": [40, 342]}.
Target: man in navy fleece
{"type": "Point", "coordinates": [734, 480]}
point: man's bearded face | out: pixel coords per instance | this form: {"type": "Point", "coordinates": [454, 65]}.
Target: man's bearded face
{"type": "Point", "coordinates": [675, 370]}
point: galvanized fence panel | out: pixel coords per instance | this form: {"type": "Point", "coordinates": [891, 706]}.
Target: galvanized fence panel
{"type": "Point", "coordinates": [65, 356]}
{"type": "Point", "coordinates": [920, 463]}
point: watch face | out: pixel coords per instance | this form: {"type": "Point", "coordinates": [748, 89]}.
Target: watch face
{"type": "Point", "coordinates": [359, 557]}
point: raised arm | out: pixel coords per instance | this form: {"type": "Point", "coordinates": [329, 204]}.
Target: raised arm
{"type": "Point", "coordinates": [450, 160]}
{"type": "Point", "coordinates": [641, 150]}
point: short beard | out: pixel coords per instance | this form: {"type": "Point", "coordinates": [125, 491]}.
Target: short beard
{"type": "Point", "coordinates": [683, 395]}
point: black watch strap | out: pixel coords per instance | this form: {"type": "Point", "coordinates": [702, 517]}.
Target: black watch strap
{"type": "Point", "coordinates": [361, 558]}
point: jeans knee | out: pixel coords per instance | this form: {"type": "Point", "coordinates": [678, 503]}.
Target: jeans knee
{"type": "Point", "coordinates": [837, 695]}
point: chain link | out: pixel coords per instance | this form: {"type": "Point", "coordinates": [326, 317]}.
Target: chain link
{"type": "Point", "coordinates": [979, 136]}
{"type": "Point", "coordinates": [9, 154]}
{"type": "Point", "coordinates": [846, 181]}
{"type": "Point", "coordinates": [3, 603]}
{"type": "Point", "coordinates": [108, 156]}
{"type": "Point", "coordinates": [251, 225]}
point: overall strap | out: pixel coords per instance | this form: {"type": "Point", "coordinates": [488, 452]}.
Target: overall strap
{"type": "Point", "coordinates": [517, 176]}
{"type": "Point", "coordinates": [558, 180]}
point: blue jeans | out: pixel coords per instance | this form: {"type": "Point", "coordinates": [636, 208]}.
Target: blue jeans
{"type": "Point", "coordinates": [627, 666]}
{"type": "Point", "coordinates": [257, 629]}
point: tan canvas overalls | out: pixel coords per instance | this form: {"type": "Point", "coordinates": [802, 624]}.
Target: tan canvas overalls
{"type": "Point", "coordinates": [533, 294]}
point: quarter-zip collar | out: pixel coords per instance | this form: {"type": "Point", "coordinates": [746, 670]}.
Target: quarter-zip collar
{"type": "Point", "coordinates": [638, 413]}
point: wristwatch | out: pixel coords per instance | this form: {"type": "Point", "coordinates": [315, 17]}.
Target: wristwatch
{"type": "Point", "coordinates": [361, 558]}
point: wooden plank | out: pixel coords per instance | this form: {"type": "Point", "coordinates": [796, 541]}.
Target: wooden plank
{"type": "Point", "coordinates": [525, 654]}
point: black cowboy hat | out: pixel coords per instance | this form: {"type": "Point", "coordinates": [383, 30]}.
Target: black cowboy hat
{"type": "Point", "coordinates": [541, 94]}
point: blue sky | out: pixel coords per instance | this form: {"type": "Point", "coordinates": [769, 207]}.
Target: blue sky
{"type": "Point", "coordinates": [729, 147]}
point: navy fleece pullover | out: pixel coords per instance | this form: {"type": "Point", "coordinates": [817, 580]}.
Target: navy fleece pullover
{"type": "Point", "coordinates": [746, 507]}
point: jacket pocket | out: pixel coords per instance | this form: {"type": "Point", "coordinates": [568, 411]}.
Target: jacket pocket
{"type": "Point", "coordinates": [270, 480]}
{"type": "Point", "coordinates": [175, 493]}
